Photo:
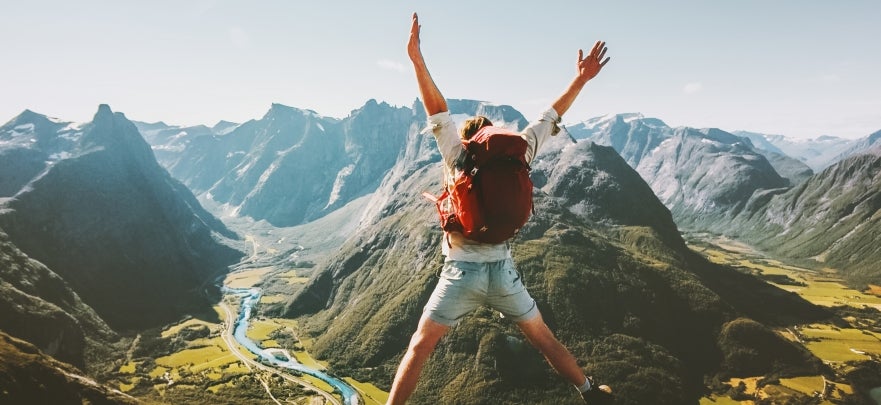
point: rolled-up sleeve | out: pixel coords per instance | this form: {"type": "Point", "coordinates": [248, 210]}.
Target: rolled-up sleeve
{"type": "Point", "coordinates": [448, 142]}
{"type": "Point", "coordinates": [538, 132]}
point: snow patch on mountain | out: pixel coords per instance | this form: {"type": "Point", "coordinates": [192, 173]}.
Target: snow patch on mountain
{"type": "Point", "coordinates": [222, 211]}
{"type": "Point", "coordinates": [24, 128]}
{"type": "Point", "coordinates": [265, 176]}
{"type": "Point", "coordinates": [338, 184]}
{"type": "Point", "coordinates": [59, 156]}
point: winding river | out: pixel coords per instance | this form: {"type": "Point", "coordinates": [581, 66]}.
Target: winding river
{"type": "Point", "coordinates": [250, 296]}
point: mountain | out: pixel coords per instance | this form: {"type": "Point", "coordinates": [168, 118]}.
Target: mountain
{"type": "Point", "coordinates": [745, 186]}
{"type": "Point", "coordinates": [169, 141]}
{"type": "Point", "coordinates": [861, 146]}
{"type": "Point", "coordinates": [683, 165]}
{"type": "Point", "coordinates": [602, 255]}
{"type": "Point", "coordinates": [38, 306]}
{"type": "Point", "coordinates": [223, 127]}
{"type": "Point", "coordinates": [27, 376]}
{"type": "Point", "coordinates": [818, 153]}
{"type": "Point", "coordinates": [131, 241]}
{"type": "Point", "coordinates": [793, 170]}
{"type": "Point", "coordinates": [604, 261]}
{"type": "Point", "coordinates": [833, 218]}
{"type": "Point", "coordinates": [632, 135]}
{"type": "Point", "coordinates": [705, 176]}
{"type": "Point", "coordinates": [500, 114]}
{"type": "Point", "coordinates": [28, 143]}
{"type": "Point", "coordinates": [292, 166]}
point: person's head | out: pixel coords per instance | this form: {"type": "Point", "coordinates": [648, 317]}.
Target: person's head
{"type": "Point", "coordinates": [472, 125]}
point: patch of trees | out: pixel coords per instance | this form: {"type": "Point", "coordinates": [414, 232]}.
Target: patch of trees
{"type": "Point", "coordinates": [864, 376]}
{"type": "Point", "coordinates": [782, 279]}
{"type": "Point", "coordinates": [750, 348]}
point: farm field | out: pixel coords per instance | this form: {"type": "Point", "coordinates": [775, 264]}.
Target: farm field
{"type": "Point", "coordinates": [246, 278]}
{"type": "Point", "coordinates": [834, 344]}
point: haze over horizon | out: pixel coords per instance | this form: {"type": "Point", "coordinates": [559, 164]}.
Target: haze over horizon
{"type": "Point", "coordinates": [800, 69]}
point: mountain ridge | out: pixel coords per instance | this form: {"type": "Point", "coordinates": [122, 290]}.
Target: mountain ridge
{"type": "Point", "coordinates": [97, 216]}
{"type": "Point", "coordinates": [831, 219]}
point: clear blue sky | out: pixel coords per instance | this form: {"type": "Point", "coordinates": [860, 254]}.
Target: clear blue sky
{"type": "Point", "coordinates": [797, 68]}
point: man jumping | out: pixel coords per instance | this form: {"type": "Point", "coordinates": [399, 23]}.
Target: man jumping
{"type": "Point", "coordinates": [477, 273]}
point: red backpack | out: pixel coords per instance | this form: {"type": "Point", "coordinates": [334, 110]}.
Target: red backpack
{"type": "Point", "coordinates": [491, 198]}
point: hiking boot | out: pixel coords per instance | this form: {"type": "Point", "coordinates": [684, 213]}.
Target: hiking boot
{"type": "Point", "coordinates": [598, 394]}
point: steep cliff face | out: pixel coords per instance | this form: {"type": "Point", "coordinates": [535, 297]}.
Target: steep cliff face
{"type": "Point", "coordinates": [292, 166]}
{"type": "Point", "coordinates": [329, 168]}
{"type": "Point", "coordinates": [794, 171]}
{"type": "Point", "coordinates": [170, 141]}
{"type": "Point", "coordinates": [130, 240]}
{"type": "Point", "coordinates": [704, 177]}
{"type": "Point", "coordinates": [595, 183]}
{"type": "Point", "coordinates": [832, 218]}
{"type": "Point", "coordinates": [38, 306]}
{"type": "Point", "coordinates": [30, 377]}
{"type": "Point", "coordinates": [707, 176]}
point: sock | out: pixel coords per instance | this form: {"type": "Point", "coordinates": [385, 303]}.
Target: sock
{"type": "Point", "coordinates": [585, 387]}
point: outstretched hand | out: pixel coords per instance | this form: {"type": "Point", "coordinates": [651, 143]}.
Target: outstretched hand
{"type": "Point", "coordinates": [413, 48]}
{"type": "Point", "coordinates": [590, 66]}
{"type": "Point", "coordinates": [431, 96]}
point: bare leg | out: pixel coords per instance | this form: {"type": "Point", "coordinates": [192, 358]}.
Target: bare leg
{"type": "Point", "coordinates": [421, 345]}
{"type": "Point", "coordinates": [541, 337]}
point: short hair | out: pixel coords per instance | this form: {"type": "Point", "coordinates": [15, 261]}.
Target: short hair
{"type": "Point", "coordinates": [472, 125]}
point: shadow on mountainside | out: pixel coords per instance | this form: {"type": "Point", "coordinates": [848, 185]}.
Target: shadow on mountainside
{"type": "Point", "coordinates": [756, 298]}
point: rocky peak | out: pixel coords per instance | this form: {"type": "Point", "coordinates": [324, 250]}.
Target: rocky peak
{"type": "Point", "coordinates": [719, 135]}
{"type": "Point", "coordinates": [707, 175]}
{"type": "Point", "coordinates": [223, 127]}
{"type": "Point", "coordinates": [594, 182]}
{"type": "Point", "coordinates": [99, 217]}
{"type": "Point", "coordinates": [31, 129]}
{"type": "Point", "coordinates": [632, 135]}
{"type": "Point", "coordinates": [115, 133]}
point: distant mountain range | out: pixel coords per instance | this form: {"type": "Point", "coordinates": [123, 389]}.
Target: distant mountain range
{"type": "Point", "coordinates": [818, 153]}
{"type": "Point", "coordinates": [728, 183]}
{"type": "Point", "coordinates": [103, 232]}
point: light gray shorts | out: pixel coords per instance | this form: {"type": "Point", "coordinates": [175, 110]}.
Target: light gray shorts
{"type": "Point", "coordinates": [464, 286]}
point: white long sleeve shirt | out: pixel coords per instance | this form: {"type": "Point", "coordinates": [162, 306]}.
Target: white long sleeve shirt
{"type": "Point", "coordinates": [455, 245]}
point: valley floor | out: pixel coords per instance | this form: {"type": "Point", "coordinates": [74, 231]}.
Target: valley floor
{"type": "Point", "coordinates": [838, 346]}
{"type": "Point", "coordinates": [196, 361]}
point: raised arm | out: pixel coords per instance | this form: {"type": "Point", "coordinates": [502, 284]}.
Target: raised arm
{"type": "Point", "coordinates": [588, 68]}
{"type": "Point", "coordinates": [431, 95]}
